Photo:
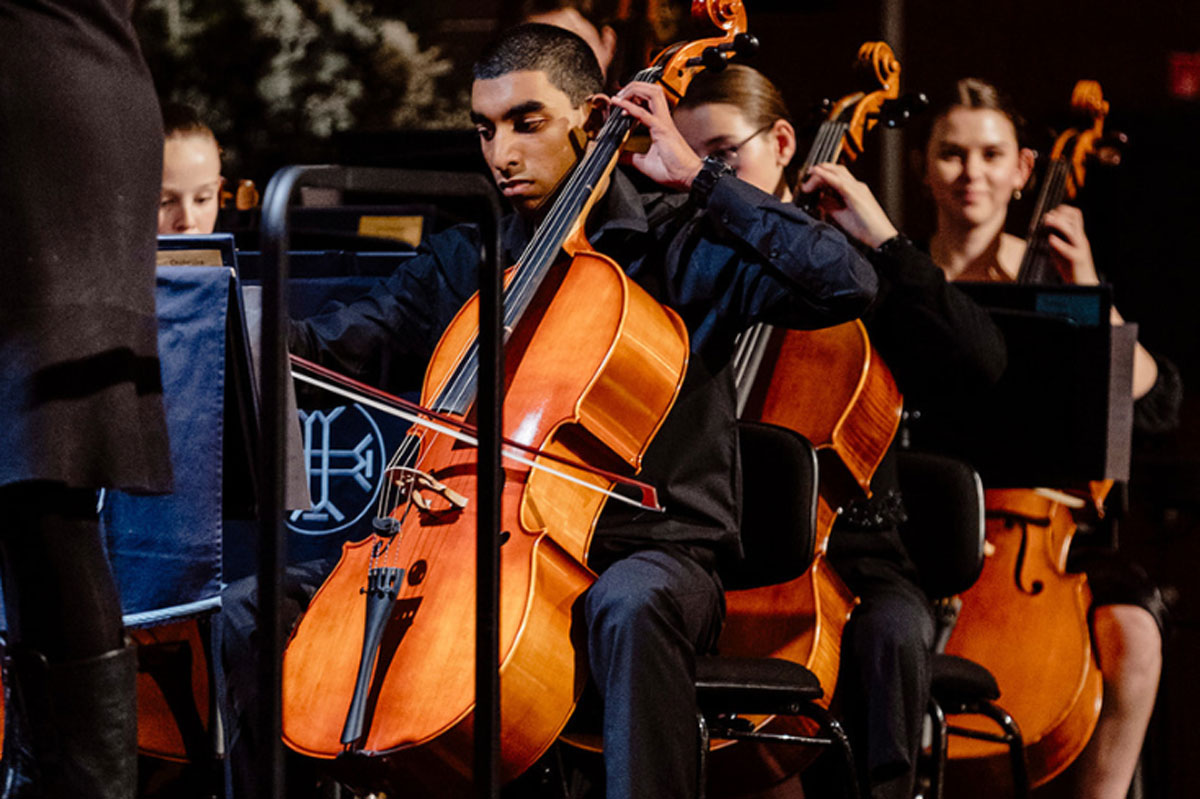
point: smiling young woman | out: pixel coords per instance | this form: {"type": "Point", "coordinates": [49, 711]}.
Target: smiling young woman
{"type": "Point", "coordinates": [975, 165]}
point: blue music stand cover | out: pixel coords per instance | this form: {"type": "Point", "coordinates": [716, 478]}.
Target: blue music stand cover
{"type": "Point", "coordinates": [166, 550]}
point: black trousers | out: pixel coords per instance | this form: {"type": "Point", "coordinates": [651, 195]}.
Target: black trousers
{"type": "Point", "coordinates": [648, 615]}
{"type": "Point", "coordinates": [884, 683]}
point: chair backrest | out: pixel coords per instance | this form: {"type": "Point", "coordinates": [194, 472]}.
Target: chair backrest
{"type": "Point", "coordinates": [779, 506]}
{"type": "Point", "coordinates": [944, 532]}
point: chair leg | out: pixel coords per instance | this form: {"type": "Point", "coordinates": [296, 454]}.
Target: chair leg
{"type": "Point", "coordinates": [838, 734]}
{"type": "Point", "coordinates": [831, 734]}
{"type": "Point", "coordinates": [1016, 745]}
{"type": "Point", "coordinates": [938, 750]}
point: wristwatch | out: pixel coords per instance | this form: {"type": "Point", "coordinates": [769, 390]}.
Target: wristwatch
{"type": "Point", "coordinates": [893, 246]}
{"type": "Point", "coordinates": [713, 170]}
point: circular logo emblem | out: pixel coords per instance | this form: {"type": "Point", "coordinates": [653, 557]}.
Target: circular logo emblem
{"type": "Point", "coordinates": [343, 448]}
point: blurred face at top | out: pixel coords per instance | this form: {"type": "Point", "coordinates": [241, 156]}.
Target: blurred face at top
{"type": "Point", "coordinates": [191, 186]}
{"type": "Point", "coordinates": [603, 41]}
{"type": "Point", "coordinates": [973, 165]}
{"type": "Point", "coordinates": [757, 153]}
{"type": "Point", "coordinates": [524, 123]}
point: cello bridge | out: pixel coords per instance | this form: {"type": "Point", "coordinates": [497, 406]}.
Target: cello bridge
{"type": "Point", "coordinates": [420, 488]}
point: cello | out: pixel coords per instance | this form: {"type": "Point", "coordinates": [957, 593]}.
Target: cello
{"type": "Point", "coordinates": [1047, 672]}
{"type": "Point", "coordinates": [832, 387]}
{"type": "Point", "coordinates": [378, 674]}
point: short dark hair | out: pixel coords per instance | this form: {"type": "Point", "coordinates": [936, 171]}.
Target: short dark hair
{"type": "Point", "coordinates": [179, 119]}
{"type": "Point", "coordinates": [567, 60]}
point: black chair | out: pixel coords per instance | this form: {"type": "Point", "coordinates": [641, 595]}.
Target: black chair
{"type": "Point", "coordinates": [779, 507]}
{"type": "Point", "coordinates": [944, 534]}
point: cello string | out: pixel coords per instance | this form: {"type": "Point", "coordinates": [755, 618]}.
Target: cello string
{"type": "Point", "coordinates": [547, 241]}
{"type": "Point", "coordinates": [542, 250]}
{"type": "Point", "coordinates": [749, 343]}
{"type": "Point", "coordinates": [535, 261]}
{"type": "Point", "coordinates": [1051, 196]}
{"type": "Point", "coordinates": [509, 452]}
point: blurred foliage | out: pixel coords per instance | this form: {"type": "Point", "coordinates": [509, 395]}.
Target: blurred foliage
{"type": "Point", "coordinates": [275, 79]}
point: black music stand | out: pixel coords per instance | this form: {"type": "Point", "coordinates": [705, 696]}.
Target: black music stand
{"type": "Point", "coordinates": [277, 204]}
{"type": "Point", "coordinates": [1062, 413]}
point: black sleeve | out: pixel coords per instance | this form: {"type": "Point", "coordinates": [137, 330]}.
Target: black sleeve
{"type": "Point", "coordinates": [1157, 411]}
{"type": "Point", "coordinates": [938, 342]}
{"type": "Point", "coordinates": [790, 270]}
{"type": "Point", "coordinates": [400, 318]}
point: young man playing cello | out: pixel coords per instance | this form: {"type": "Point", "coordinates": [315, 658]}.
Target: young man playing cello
{"type": "Point", "coordinates": [723, 255]}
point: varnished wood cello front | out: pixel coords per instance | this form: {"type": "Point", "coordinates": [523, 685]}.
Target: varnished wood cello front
{"type": "Point", "coordinates": [832, 387]}
{"type": "Point", "coordinates": [383, 685]}
{"type": "Point", "coordinates": [1026, 618]}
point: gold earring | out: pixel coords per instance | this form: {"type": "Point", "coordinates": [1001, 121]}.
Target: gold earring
{"type": "Point", "coordinates": [1016, 194]}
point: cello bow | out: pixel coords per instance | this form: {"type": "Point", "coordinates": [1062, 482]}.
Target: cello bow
{"type": "Point", "coordinates": [378, 674]}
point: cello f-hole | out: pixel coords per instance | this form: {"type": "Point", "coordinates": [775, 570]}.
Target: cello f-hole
{"type": "Point", "coordinates": [1035, 586]}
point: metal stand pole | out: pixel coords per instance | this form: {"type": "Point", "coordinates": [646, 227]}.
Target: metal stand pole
{"type": "Point", "coordinates": [284, 186]}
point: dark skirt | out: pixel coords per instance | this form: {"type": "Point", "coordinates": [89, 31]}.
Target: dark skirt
{"type": "Point", "coordinates": [80, 177]}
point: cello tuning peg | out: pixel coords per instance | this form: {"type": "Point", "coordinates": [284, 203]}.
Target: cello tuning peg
{"type": "Point", "coordinates": [1109, 148]}
{"type": "Point", "coordinates": [745, 44]}
{"type": "Point", "coordinates": [822, 108]}
{"type": "Point", "coordinates": [712, 58]}
{"type": "Point", "coordinates": [894, 113]}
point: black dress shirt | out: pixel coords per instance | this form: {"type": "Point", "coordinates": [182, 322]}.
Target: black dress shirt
{"type": "Point", "coordinates": [744, 258]}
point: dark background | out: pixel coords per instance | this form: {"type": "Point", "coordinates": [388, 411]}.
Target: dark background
{"type": "Point", "coordinates": [1141, 215]}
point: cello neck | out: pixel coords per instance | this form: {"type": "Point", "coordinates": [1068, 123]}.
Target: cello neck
{"type": "Point", "coordinates": [847, 122]}
{"type": "Point", "coordinates": [1037, 264]}
{"type": "Point", "coordinates": [827, 147]}
{"type": "Point", "coordinates": [752, 344]}
{"type": "Point", "coordinates": [565, 218]}
{"type": "Point", "coordinates": [1064, 178]}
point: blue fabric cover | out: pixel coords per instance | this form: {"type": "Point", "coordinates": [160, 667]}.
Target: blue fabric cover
{"type": "Point", "coordinates": [166, 550]}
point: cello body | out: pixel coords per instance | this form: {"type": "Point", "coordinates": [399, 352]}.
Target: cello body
{"type": "Point", "coordinates": [592, 367]}
{"type": "Point", "coordinates": [1047, 672]}
{"type": "Point", "coordinates": [1026, 618]}
{"type": "Point", "coordinates": [592, 370]}
{"type": "Point", "coordinates": [173, 712]}
{"type": "Point", "coordinates": [831, 386]}
{"type": "Point", "coordinates": [801, 621]}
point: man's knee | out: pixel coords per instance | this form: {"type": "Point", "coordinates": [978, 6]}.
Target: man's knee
{"type": "Point", "coordinates": [616, 609]}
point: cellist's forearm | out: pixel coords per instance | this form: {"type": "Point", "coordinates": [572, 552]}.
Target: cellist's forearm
{"type": "Point", "coordinates": [1145, 372]}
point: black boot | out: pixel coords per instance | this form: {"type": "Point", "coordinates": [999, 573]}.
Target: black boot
{"type": "Point", "coordinates": [82, 718]}
{"type": "Point", "coordinates": [20, 777]}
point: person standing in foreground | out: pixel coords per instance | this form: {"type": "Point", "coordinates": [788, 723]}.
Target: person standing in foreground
{"type": "Point", "coordinates": [80, 387]}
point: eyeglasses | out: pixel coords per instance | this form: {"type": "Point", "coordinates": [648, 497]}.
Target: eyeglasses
{"type": "Point", "coordinates": [729, 154]}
